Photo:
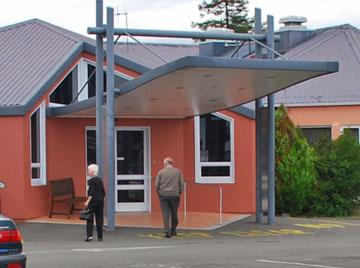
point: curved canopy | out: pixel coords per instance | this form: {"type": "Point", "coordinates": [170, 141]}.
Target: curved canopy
{"type": "Point", "coordinates": [199, 85]}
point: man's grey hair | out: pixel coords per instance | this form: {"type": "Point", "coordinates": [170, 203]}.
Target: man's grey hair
{"type": "Point", "coordinates": [94, 168]}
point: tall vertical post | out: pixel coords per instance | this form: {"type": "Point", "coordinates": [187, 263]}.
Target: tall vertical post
{"type": "Point", "coordinates": [110, 116]}
{"type": "Point", "coordinates": [271, 133]}
{"type": "Point", "coordinates": [99, 85]}
{"type": "Point", "coordinates": [258, 123]}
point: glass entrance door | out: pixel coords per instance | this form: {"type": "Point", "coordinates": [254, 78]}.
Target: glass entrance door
{"type": "Point", "coordinates": [132, 170]}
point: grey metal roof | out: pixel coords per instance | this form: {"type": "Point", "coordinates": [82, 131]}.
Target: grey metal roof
{"type": "Point", "coordinates": [199, 85]}
{"type": "Point", "coordinates": [28, 53]}
{"type": "Point", "coordinates": [33, 55]}
{"type": "Point", "coordinates": [145, 56]}
{"type": "Point", "coordinates": [340, 43]}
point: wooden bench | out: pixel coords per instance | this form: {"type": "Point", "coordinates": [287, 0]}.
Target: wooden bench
{"type": "Point", "coordinates": [63, 193]}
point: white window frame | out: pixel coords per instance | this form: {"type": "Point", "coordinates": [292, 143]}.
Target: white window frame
{"type": "Point", "coordinates": [198, 164]}
{"type": "Point", "coordinates": [83, 76]}
{"type": "Point", "coordinates": [350, 126]}
{"type": "Point", "coordinates": [42, 144]}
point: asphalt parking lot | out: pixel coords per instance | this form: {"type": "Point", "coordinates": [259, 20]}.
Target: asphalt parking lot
{"type": "Point", "coordinates": [291, 242]}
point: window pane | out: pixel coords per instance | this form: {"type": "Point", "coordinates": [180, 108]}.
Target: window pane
{"type": "Point", "coordinates": [63, 93]}
{"type": "Point", "coordinates": [92, 81]}
{"type": "Point", "coordinates": [214, 139]}
{"type": "Point", "coordinates": [130, 150]}
{"type": "Point", "coordinates": [35, 173]}
{"type": "Point", "coordinates": [130, 182]}
{"type": "Point", "coordinates": [35, 137]}
{"type": "Point", "coordinates": [353, 131]}
{"type": "Point", "coordinates": [91, 147]}
{"type": "Point", "coordinates": [313, 134]}
{"type": "Point", "coordinates": [125, 196]}
{"type": "Point", "coordinates": [215, 171]}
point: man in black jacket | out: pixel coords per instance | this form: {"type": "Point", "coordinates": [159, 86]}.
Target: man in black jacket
{"type": "Point", "coordinates": [95, 203]}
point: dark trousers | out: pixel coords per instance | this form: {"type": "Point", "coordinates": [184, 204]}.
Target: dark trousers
{"type": "Point", "coordinates": [98, 211]}
{"type": "Point", "coordinates": [169, 207]}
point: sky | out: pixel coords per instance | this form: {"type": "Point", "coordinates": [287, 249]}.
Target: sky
{"type": "Point", "coordinates": [77, 15]}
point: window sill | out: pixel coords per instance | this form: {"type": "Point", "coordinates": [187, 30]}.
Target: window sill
{"type": "Point", "coordinates": [215, 180]}
{"type": "Point", "coordinates": [38, 182]}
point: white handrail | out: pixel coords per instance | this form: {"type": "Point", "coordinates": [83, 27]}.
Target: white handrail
{"type": "Point", "coordinates": [220, 205]}
{"type": "Point", "coordinates": [185, 201]}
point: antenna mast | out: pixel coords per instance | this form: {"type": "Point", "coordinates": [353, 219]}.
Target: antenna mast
{"type": "Point", "coordinates": [125, 13]}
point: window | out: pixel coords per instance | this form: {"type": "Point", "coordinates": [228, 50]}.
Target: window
{"type": "Point", "coordinates": [70, 87]}
{"type": "Point", "coordinates": [90, 146]}
{"type": "Point", "coordinates": [37, 144]}
{"type": "Point", "coordinates": [89, 91]}
{"type": "Point", "coordinates": [214, 149]}
{"type": "Point", "coordinates": [313, 134]}
{"type": "Point", "coordinates": [354, 130]}
{"type": "Point", "coordinates": [64, 92]}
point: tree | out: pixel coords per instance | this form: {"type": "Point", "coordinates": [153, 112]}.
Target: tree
{"type": "Point", "coordinates": [295, 167]}
{"type": "Point", "coordinates": [338, 168]}
{"type": "Point", "coordinates": [230, 14]}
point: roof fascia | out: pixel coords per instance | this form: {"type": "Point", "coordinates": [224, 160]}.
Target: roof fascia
{"type": "Point", "coordinates": [245, 111]}
{"type": "Point", "coordinates": [12, 110]}
{"type": "Point", "coordinates": [73, 107]}
{"type": "Point", "coordinates": [119, 60]}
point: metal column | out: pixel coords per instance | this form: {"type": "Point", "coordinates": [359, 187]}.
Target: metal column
{"type": "Point", "coordinates": [99, 85]}
{"type": "Point", "coordinates": [110, 116]}
{"type": "Point", "coordinates": [271, 133]}
{"type": "Point", "coordinates": [258, 105]}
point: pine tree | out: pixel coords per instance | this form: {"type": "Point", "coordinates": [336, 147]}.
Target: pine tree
{"type": "Point", "coordinates": [230, 14]}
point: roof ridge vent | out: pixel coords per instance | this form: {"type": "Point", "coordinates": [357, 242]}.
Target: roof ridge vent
{"type": "Point", "coordinates": [293, 23]}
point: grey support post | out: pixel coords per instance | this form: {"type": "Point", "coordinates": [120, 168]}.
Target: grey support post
{"type": "Point", "coordinates": [271, 133]}
{"type": "Point", "coordinates": [110, 117]}
{"type": "Point", "coordinates": [258, 105]}
{"type": "Point", "coordinates": [99, 85]}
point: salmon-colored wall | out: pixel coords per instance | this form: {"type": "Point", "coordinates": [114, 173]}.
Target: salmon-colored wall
{"type": "Point", "coordinates": [67, 152]}
{"type": "Point", "coordinates": [168, 137]}
{"type": "Point", "coordinates": [331, 116]}
{"type": "Point", "coordinates": [11, 166]}
{"type": "Point", "coordinates": [19, 199]}
{"type": "Point", "coordinates": [238, 197]}
{"type": "Point", "coordinates": [66, 157]}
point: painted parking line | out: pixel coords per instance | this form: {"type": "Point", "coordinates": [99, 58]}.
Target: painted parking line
{"type": "Point", "coordinates": [95, 250]}
{"type": "Point", "coordinates": [325, 225]}
{"type": "Point", "coordinates": [179, 235]}
{"type": "Point", "coordinates": [343, 223]}
{"type": "Point", "coordinates": [259, 233]}
{"type": "Point", "coordinates": [298, 264]}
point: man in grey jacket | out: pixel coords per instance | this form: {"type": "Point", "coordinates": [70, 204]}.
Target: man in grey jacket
{"type": "Point", "coordinates": [169, 185]}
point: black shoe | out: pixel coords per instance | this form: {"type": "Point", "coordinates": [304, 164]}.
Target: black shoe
{"type": "Point", "coordinates": [174, 233]}
{"type": "Point", "coordinates": [167, 235]}
{"type": "Point", "coordinates": [100, 239]}
{"type": "Point", "coordinates": [88, 239]}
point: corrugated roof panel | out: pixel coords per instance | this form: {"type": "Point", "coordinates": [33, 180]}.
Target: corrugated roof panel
{"type": "Point", "coordinates": [30, 51]}
{"type": "Point", "coordinates": [146, 57]}
{"type": "Point", "coordinates": [340, 44]}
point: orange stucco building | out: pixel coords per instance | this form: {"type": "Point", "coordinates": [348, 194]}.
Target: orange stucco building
{"type": "Point", "coordinates": [38, 148]}
{"type": "Point", "coordinates": [45, 138]}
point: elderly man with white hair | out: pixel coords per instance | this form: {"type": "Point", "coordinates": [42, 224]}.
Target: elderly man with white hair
{"type": "Point", "coordinates": [169, 185]}
{"type": "Point", "coordinates": [95, 203]}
